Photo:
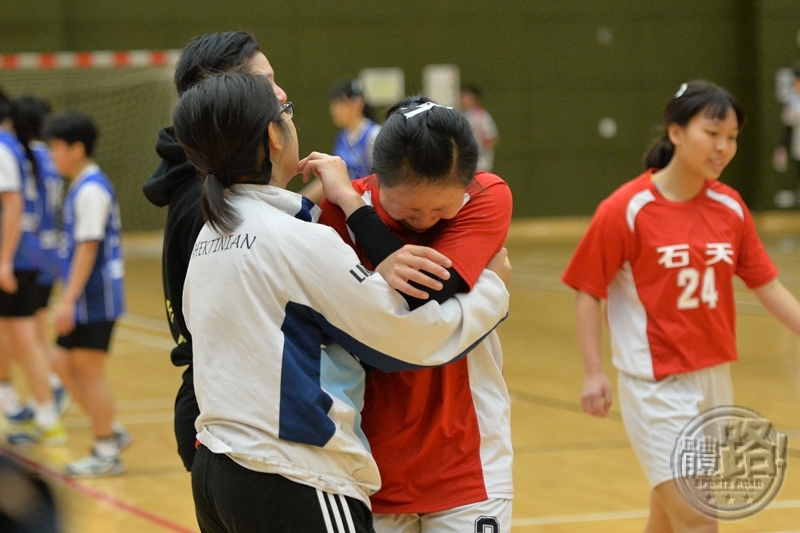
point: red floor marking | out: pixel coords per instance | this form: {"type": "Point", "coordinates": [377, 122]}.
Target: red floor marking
{"type": "Point", "coordinates": [96, 494]}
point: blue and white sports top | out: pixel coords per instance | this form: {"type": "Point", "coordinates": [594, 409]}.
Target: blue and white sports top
{"type": "Point", "coordinates": [357, 151]}
{"type": "Point", "coordinates": [91, 213]}
{"type": "Point", "coordinates": [51, 192]}
{"type": "Point", "coordinates": [19, 178]}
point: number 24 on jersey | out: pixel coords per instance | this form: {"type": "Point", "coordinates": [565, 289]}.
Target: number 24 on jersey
{"type": "Point", "coordinates": [690, 278]}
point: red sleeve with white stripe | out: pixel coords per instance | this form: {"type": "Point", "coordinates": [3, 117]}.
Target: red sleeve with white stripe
{"type": "Point", "coordinates": [601, 253]}
{"type": "Point", "coordinates": [754, 265]}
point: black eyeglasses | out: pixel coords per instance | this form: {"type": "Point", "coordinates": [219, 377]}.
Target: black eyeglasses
{"type": "Point", "coordinates": [288, 108]}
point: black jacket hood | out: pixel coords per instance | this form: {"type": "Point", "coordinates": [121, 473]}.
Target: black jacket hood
{"type": "Point", "coordinates": [173, 171]}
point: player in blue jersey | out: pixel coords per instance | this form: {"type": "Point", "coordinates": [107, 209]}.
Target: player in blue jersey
{"type": "Point", "coordinates": [350, 112]}
{"type": "Point", "coordinates": [354, 143]}
{"type": "Point", "coordinates": [92, 274]}
{"type": "Point", "coordinates": [20, 261]}
{"type": "Point", "coordinates": [32, 111]}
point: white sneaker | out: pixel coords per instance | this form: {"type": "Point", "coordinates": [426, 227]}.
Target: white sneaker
{"type": "Point", "coordinates": [124, 439]}
{"type": "Point", "coordinates": [95, 466]}
{"type": "Point", "coordinates": [12, 406]}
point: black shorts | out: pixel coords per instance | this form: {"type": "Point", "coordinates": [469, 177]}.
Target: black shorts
{"type": "Point", "coordinates": [230, 497]}
{"type": "Point", "coordinates": [23, 302]}
{"type": "Point", "coordinates": [94, 336]}
{"type": "Point", "coordinates": [43, 295]}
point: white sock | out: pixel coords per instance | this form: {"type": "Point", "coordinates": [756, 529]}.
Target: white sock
{"type": "Point", "coordinates": [46, 414]}
{"type": "Point", "coordinates": [55, 381]}
{"type": "Point", "coordinates": [9, 399]}
{"type": "Point", "coordinates": [106, 448]}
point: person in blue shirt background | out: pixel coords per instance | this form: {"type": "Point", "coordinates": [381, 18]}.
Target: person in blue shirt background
{"type": "Point", "coordinates": [20, 262]}
{"type": "Point", "coordinates": [351, 113]}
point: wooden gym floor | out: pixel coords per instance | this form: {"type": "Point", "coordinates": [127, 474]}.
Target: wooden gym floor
{"type": "Point", "coordinates": [573, 473]}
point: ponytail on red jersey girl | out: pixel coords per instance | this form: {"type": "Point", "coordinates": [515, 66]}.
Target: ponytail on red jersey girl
{"type": "Point", "coordinates": [691, 99]}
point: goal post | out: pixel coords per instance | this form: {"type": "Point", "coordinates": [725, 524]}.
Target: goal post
{"type": "Point", "coordinates": [130, 96]}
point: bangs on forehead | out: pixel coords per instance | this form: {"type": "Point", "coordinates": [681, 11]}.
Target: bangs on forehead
{"type": "Point", "coordinates": [702, 98]}
{"type": "Point", "coordinates": [717, 109]}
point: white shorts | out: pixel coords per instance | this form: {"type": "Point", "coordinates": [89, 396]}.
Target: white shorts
{"type": "Point", "coordinates": [488, 516]}
{"type": "Point", "coordinates": [655, 412]}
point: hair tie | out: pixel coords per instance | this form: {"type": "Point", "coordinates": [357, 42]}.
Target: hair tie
{"type": "Point", "coordinates": [681, 90]}
{"type": "Point", "coordinates": [421, 109]}
{"type": "Point", "coordinates": [212, 172]}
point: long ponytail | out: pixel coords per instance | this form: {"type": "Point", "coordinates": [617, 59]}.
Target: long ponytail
{"type": "Point", "coordinates": [217, 211]}
{"type": "Point", "coordinates": [660, 153]}
{"type": "Point", "coordinates": [25, 130]}
{"type": "Point", "coordinates": [222, 123]}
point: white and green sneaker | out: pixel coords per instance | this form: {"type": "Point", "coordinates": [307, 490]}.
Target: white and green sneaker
{"type": "Point", "coordinates": [95, 466]}
{"type": "Point", "coordinates": [32, 433]}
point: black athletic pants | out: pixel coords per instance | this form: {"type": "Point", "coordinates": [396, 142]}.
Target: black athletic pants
{"type": "Point", "coordinates": [229, 498]}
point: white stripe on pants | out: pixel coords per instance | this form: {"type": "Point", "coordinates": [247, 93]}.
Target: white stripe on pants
{"type": "Point", "coordinates": [341, 527]}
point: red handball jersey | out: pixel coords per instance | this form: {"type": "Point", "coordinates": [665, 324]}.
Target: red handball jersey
{"type": "Point", "coordinates": [666, 269]}
{"type": "Point", "coordinates": [442, 436]}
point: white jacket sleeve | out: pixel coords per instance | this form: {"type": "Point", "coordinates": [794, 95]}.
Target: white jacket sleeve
{"type": "Point", "coordinates": [371, 320]}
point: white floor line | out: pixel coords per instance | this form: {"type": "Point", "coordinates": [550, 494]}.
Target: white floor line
{"type": "Point", "coordinates": [163, 342]}
{"type": "Point", "coordinates": [624, 515]}
{"type": "Point", "coordinates": [145, 339]}
{"type": "Point", "coordinates": [146, 322]}
{"type": "Point", "coordinates": [126, 419]}
{"type": "Point", "coordinates": [576, 518]}
{"type": "Point", "coordinates": [146, 404]}
{"type": "Point", "coordinates": [132, 412]}
{"type": "Point", "coordinates": [784, 504]}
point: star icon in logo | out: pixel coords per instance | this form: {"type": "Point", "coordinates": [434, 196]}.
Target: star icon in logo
{"type": "Point", "coordinates": [730, 500]}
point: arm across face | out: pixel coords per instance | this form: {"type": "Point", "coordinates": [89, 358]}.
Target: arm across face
{"type": "Point", "coordinates": [367, 317]}
{"type": "Point", "coordinates": [470, 240]}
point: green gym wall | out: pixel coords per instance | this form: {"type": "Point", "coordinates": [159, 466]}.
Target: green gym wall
{"type": "Point", "coordinates": [550, 71]}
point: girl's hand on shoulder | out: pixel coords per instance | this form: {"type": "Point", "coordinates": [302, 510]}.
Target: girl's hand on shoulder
{"type": "Point", "coordinates": [501, 266]}
{"type": "Point", "coordinates": [414, 263]}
